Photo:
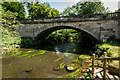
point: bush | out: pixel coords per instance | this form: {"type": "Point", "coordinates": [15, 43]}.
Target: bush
{"type": "Point", "coordinates": [26, 42]}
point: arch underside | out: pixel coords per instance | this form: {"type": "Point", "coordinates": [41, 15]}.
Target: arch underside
{"type": "Point", "coordinates": [45, 33]}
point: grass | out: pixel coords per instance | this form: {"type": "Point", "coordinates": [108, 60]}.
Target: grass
{"type": "Point", "coordinates": [56, 60]}
{"type": "Point", "coordinates": [112, 48]}
{"type": "Point", "coordinates": [72, 75]}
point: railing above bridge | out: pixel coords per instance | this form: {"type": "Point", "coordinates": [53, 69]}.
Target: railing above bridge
{"type": "Point", "coordinates": [115, 15]}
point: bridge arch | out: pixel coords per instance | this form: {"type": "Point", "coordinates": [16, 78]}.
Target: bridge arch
{"type": "Point", "coordinates": [43, 34]}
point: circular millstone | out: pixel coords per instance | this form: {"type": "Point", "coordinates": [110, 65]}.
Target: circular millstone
{"type": "Point", "coordinates": [56, 68]}
{"type": "Point", "coordinates": [70, 68]}
{"type": "Point", "coordinates": [28, 69]}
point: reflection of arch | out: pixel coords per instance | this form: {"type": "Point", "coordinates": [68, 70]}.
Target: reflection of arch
{"type": "Point", "coordinates": [44, 33]}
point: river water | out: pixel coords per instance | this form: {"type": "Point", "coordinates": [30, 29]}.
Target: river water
{"type": "Point", "coordinates": [14, 64]}
{"type": "Point", "coordinates": [67, 47]}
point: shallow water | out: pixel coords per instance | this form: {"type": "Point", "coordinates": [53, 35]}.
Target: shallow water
{"type": "Point", "coordinates": [13, 66]}
{"type": "Point", "coordinates": [67, 47]}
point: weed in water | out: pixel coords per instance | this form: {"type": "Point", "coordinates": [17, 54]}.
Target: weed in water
{"type": "Point", "coordinates": [75, 61]}
{"type": "Point", "coordinates": [28, 52]}
{"type": "Point", "coordinates": [56, 60]}
{"type": "Point", "coordinates": [40, 52]}
{"type": "Point", "coordinates": [62, 65]}
{"type": "Point", "coordinates": [24, 55]}
{"type": "Point", "coordinates": [17, 53]}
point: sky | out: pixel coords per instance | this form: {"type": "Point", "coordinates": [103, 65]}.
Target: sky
{"type": "Point", "coordinates": [62, 4]}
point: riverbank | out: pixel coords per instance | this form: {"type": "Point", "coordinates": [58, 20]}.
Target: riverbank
{"type": "Point", "coordinates": [111, 47]}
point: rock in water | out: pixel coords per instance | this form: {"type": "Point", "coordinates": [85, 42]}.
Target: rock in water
{"type": "Point", "coordinates": [28, 69]}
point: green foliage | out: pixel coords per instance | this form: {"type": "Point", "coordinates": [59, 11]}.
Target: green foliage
{"type": "Point", "coordinates": [72, 75]}
{"type": "Point", "coordinates": [15, 7]}
{"type": "Point", "coordinates": [56, 60]}
{"type": "Point", "coordinates": [84, 57]}
{"type": "Point", "coordinates": [75, 61]}
{"type": "Point", "coordinates": [87, 76]}
{"type": "Point", "coordinates": [110, 46]}
{"type": "Point", "coordinates": [74, 67]}
{"type": "Point", "coordinates": [10, 38]}
{"type": "Point", "coordinates": [64, 35]}
{"type": "Point", "coordinates": [62, 65]}
{"type": "Point", "coordinates": [17, 53]}
{"type": "Point", "coordinates": [41, 10]}
{"type": "Point", "coordinates": [40, 52]}
{"type": "Point", "coordinates": [26, 42]}
{"type": "Point", "coordinates": [29, 43]}
{"type": "Point", "coordinates": [27, 52]}
{"type": "Point", "coordinates": [27, 55]}
{"type": "Point", "coordinates": [68, 53]}
{"type": "Point", "coordinates": [24, 55]}
{"type": "Point", "coordinates": [85, 7]}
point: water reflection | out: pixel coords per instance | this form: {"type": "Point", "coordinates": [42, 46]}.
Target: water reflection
{"type": "Point", "coordinates": [66, 47]}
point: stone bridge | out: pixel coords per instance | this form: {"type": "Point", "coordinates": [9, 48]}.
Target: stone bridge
{"type": "Point", "coordinates": [98, 27]}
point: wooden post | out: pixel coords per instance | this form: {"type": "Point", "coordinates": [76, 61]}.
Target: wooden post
{"type": "Point", "coordinates": [104, 66]}
{"type": "Point", "coordinates": [93, 65]}
{"type": "Point", "coordinates": [119, 67]}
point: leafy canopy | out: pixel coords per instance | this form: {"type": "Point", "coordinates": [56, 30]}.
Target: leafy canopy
{"type": "Point", "coordinates": [10, 38]}
{"type": "Point", "coordinates": [41, 10]}
{"type": "Point", "coordinates": [82, 8]}
{"type": "Point", "coordinates": [15, 7]}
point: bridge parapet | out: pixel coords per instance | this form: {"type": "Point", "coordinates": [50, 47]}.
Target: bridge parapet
{"type": "Point", "coordinates": [76, 18]}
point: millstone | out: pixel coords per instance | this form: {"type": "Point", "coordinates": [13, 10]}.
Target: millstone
{"type": "Point", "coordinates": [28, 69]}
{"type": "Point", "coordinates": [70, 68]}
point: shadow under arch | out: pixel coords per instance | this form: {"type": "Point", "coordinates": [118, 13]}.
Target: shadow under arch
{"type": "Point", "coordinates": [45, 33]}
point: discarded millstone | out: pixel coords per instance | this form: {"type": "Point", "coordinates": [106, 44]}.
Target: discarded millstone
{"type": "Point", "coordinates": [56, 68]}
{"type": "Point", "coordinates": [70, 68]}
{"type": "Point", "coordinates": [28, 69]}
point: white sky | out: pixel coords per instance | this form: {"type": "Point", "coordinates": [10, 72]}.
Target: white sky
{"type": "Point", "coordinates": [62, 4]}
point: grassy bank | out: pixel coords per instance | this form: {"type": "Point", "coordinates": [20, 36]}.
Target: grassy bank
{"type": "Point", "coordinates": [112, 47]}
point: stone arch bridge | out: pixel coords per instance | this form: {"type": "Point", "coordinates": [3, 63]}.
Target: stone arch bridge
{"type": "Point", "coordinates": [98, 27]}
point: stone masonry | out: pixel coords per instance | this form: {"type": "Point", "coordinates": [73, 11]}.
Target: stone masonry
{"type": "Point", "coordinates": [99, 29]}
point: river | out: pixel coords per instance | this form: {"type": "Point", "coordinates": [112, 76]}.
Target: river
{"type": "Point", "coordinates": [41, 61]}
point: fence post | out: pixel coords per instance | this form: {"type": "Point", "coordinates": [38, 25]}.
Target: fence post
{"type": "Point", "coordinates": [93, 65]}
{"type": "Point", "coordinates": [119, 67]}
{"type": "Point", "coordinates": [104, 66]}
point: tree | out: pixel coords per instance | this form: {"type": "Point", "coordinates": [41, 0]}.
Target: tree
{"type": "Point", "coordinates": [83, 8]}
{"type": "Point", "coordinates": [10, 38]}
{"type": "Point", "coordinates": [15, 7]}
{"type": "Point", "coordinates": [41, 10]}
{"type": "Point", "coordinates": [117, 10]}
